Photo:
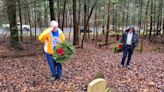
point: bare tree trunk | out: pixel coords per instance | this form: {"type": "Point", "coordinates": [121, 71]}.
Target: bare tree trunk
{"type": "Point", "coordinates": [70, 27]}
{"type": "Point", "coordinates": [58, 5]}
{"type": "Point", "coordinates": [35, 18]}
{"type": "Point", "coordinates": [65, 1]}
{"type": "Point", "coordinates": [163, 26]}
{"type": "Point", "coordinates": [66, 19]}
{"type": "Point", "coordinates": [76, 36]}
{"type": "Point", "coordinates": [154, 18]}
{"type": "Point", "coordinates": [51, 4]}
{"type": "Point", "coordinates": [94, 32]}
{"type": "Point", "coordinates": [86, 20]}
{"type": "Point", "coordinates": [140, 21]}
{"type": "Point", "coordinates": [134, 15]}
{"type": "Point", "coordinates": [127, 16]}
{"type": "Point", "coordinates": [113, 15]}
{"type": "Point", "coordinates": [45, 15]}
{"type": "Point", "coordinates": [103, 27]}
{"type": "Point", "coordinates": [159, 23]}
{"type": "Point", "coordinates": [116, 24]}
{"type": "Point", "coordinates": [79, 12]}
{"type": "Point", "coordinates": [25, 17]}
{"type": "Point", "coordinates": [20, 16]}
{"type": "Point", "coordinates": [108, 22]}
{"type": "Point", "coordinates": [145, 22]}
{"type": "Point", "coordinates": [96, 25]}
{"type": "Point", "coordinates": [161, 11]}
{"type": "Point", "coordinates": [29, 20]}
{"type": "Point", "coordinates": [158, 20]}
{"type": "Point", "coordinates": [14, 35]}
{"type": "Point", "coordinates": [151, 19]}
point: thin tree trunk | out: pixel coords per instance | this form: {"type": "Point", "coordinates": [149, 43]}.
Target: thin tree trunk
{"type": "Point", "coordinates": [76, 36]}
{"type": "Point", "coordinates": [94, 37]}
{"type": "Point", "coordinates": [134, 15]}
{"type": "Point", "coordinates": [58, 6]}
{"type": "Point", "coordinates": [163, 26]}
{"type": "Point", "coordinates": [65, 1]}
{"type": "Point", "coordinates": [51, 4]}
{"type": "Point", "coordinates": [127, 16]}
{"type": "Point", "coordinates": [29, 20]}
{"type": "Point", "coordinates": [14, 35]}
{"type": "Point", "coordinates": [151, 19]}
{"type": "Point", "coordinates": [66, 19]}
{"type": "Point", "coordinates": [79, 12]}
{"type": "Point", "coordinates": [70, 27]}
{"type": "Point", "coordinates": [116, 24]}
{"type": "Point", "coordinates": [113, 15]}
{"type": "Point", "coordinates": [108, 22]}
{"type": "Point", "coordinates": [45, 15]}
{"type": "Point", "coordinates": [160, 17]}
{"type": "Point", "coordinates": [140, 22]}
{"type": "Point", "coordinates": [158, 20]}
{"type": "Point", "coordinates": [154, 18]}
{"type": "Point", "coordinates": [25, 17]}
{"type": "Point", "coordinates": [20, 16]}
{"type": "Point", "coordinates": [35, 18]}
{"type": "Point", "coordinates": [103, 30]}
{"type": "Point", "coordinates": [86, 20]}
{"type": "Point", "coordinates": [145, 22]}
{"type": "Point", "coordinates": [96, 25]}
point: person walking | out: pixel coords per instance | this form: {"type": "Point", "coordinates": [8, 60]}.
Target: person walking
{"type": "Point", "coordinates": [130, 41]}
{"type": "Point", "coordinates": [51, 37]}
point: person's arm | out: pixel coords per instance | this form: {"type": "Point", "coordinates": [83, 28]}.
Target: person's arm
{"type": "Point", "coordinates": [62, 37]}
{"type": "Point", "coordinates": [44, 35]}
{"type": "Point", "coordinates": [137, 39]}
{"type": "Point", "coordinates": [122, 38]}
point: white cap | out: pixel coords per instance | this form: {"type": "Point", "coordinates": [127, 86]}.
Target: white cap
{"type": "Point", "coordinates": [54, 23]}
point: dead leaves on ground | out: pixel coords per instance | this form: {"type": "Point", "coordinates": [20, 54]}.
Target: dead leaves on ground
{"type": "Point", "coordinates": [31, 74]}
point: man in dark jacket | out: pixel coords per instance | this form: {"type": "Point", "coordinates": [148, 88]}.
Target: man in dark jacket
{"type": "Point", "coordinates": [130, 41]}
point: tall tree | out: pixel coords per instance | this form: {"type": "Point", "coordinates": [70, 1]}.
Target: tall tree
{"type": "Point", "coordinates": [108, 22]}
{"type": "Point", "coordinates": [35, 16]}
{"type": "Point", "coordinates": [76, 35]}
{"type": "Point", "coordinates": [159, 22]}
{"type": "Point", "coordinates": [59, 11]}
{"type": "Point", "coordinates": [127, 12]}
{"type": "Point", "coordinates": [87, 18]}
{"type": "Point", "coordinates": [64, 9]}
{"type": "Point", "coordinates": [20, 16]}
{"type": "Point", "coordinates": [51, 4]}
{"type": "Point", "coordinates": [140, 20]}
{"type": "Point", "coordinates": [151, 19]}
{"type": "Point", "coordinates": [29, 19]}
{"type": "Point", "coordinates": [145, 22]}
{"type": "Point", "coordinates": [45, 14]}
{"type": "Point", "coordinates": [11, 11]}
{"type": "Point", "coordinates": [79, 12]}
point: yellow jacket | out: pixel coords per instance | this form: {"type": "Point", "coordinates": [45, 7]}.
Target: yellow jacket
{"type": "Point", "coordinates": [47, 38]}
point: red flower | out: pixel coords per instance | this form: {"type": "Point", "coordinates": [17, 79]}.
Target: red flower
{"type": "Point", "coordinates": [60, 51]}
{"type": "Point", "coordinates": [120, 46]}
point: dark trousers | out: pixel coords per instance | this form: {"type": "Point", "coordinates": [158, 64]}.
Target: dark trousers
{"type": "Point", "coordinates": [53, 66]}
{"type": "Point", "coordinates": [127, 51]}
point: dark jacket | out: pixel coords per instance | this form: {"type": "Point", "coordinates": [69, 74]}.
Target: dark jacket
{"type": "Point", "coordinates": [135, 39]}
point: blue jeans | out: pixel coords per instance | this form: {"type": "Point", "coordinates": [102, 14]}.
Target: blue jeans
{"type": "Point", "coordinates": [128, 50]}
{"type": "Point", "coordinates": [53, 66]}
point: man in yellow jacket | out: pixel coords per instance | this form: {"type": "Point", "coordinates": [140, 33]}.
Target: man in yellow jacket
{"type": "Point", "coordinates": [51, 37]}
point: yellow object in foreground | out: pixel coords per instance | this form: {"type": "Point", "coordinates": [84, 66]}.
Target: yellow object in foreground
{"type": "Point", "coordinates": [97, 85]}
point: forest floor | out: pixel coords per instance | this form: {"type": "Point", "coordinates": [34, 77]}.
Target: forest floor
{"type": "Point", "coordinates": [31, 73]}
